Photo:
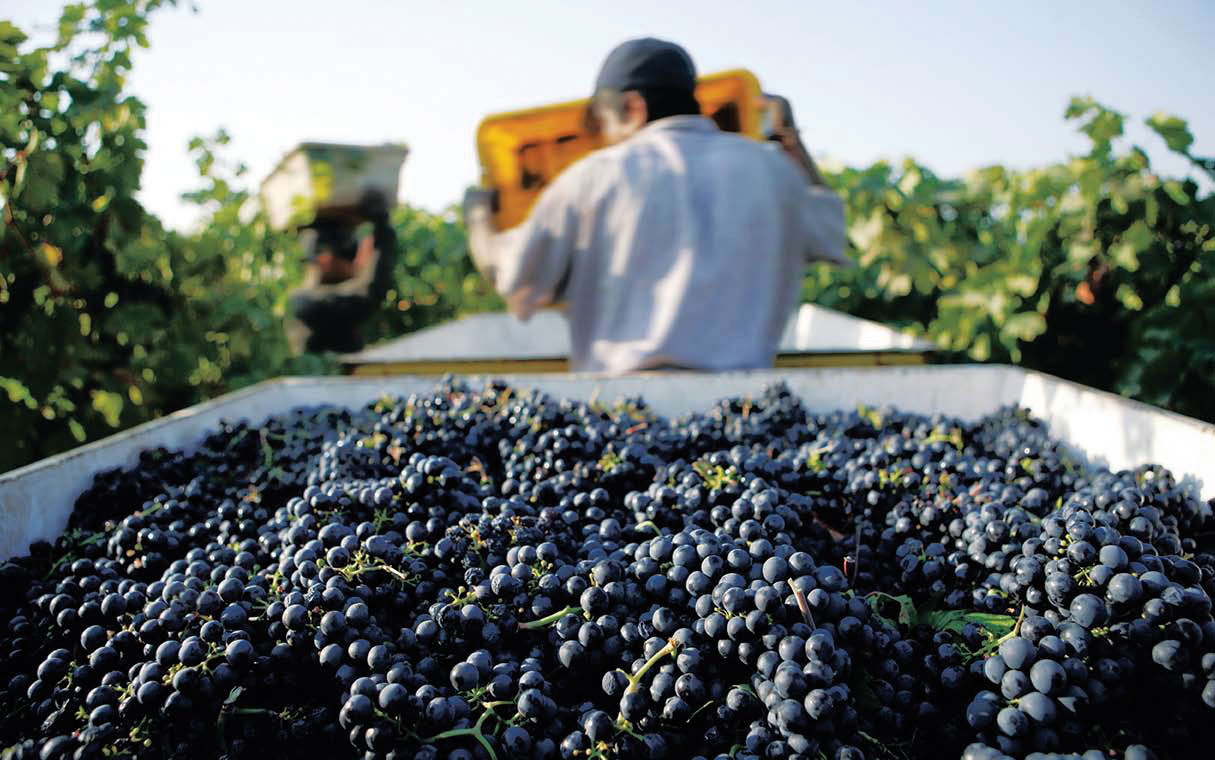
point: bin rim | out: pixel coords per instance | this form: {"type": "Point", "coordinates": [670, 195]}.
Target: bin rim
{"type": "Point", "coordinates": [765, 375]}
{"type": "Point", "coordinates": [1094, 427]}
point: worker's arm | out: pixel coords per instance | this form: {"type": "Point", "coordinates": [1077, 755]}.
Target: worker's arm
{"type": "Point", "coordinates": [312, 275]}
{"type": "Point", "coordinates": [821, 225]}
{"type": "Point", "coordinates": [357, 275]}
{"type": "Point", "coordinates": [818, 212]}
{"type": "Point", "coordinates": [333, 269]}
{"type": "Point", "coordinates": [791, 141]}
{"type": "Point", "coordinates": [817, 215]}
{"type": "Point", "coordinates": [529, 264]}
{"type": "Point", "coordinates": [783, 131]}
{"type": "Point", "coordinates": [362, 269]}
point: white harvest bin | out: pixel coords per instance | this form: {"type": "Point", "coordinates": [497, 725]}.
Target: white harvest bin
{"type": "Point", "coordinates": [317, 174]}
{"type": "Point", "coordinates": [499, 342]}
{"type": "Point", "coordinates": [37, 499]}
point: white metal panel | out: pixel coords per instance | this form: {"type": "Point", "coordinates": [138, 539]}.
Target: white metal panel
{"type": "Point", "coordinates": [477, 336]}
{"type": "Point", "coordinates": [811, 329]}
{"type": "Point", "coordinates": [36, 500]}
{"type": "Point", "coordinates": [822, 330]}
{"type": "Point", "coordinates": [1119, 433]}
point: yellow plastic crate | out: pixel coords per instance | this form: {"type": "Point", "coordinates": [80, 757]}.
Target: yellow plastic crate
{"type": "Point", "coordinates": [521, 152]}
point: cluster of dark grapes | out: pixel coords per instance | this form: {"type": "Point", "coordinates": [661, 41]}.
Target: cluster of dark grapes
{"type": "Point", "coordinates": [496, 573]}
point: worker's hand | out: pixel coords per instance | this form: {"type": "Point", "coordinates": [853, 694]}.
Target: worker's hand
{"type": "Point", "coordinates": [478, 205]}
{"type": "Point", "coordinates": [333, 269]}
{"type": "Point", "coordinates": [365, 255]}
{"type": "Point", "coordinates": [778, 116]}
{"type": "Point", "coordinates": [479, 223]}
{"type": "Point", "coordinates": [373, 204]}
{"type": "Point", "coordinates": [789, 139]}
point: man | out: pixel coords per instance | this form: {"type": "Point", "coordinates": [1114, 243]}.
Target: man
{"type": "Point", "coordinates": [346, 279]}
{"type": "Point", "coordinates": [677, 246]}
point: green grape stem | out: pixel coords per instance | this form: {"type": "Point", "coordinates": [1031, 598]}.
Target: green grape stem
{"type": "Point", "coordinates": [666, 650]}
{"type": "Point", "coordinates": [549, 620]}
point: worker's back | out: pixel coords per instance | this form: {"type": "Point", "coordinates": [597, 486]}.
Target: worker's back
{"type": "Point", "coordinates": [689, 247]}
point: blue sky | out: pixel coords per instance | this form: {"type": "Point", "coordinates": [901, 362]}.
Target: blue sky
{"type": "Point", "coordinates": [956, 85]}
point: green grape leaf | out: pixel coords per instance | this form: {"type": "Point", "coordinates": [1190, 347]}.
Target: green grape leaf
{"type": "Point", "coordinates": [1175, 131]}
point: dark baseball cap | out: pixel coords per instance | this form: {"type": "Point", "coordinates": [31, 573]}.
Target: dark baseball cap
{"type": "Point", "coordinates": [647, 63]}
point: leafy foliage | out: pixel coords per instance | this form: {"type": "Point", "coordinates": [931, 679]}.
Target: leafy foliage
{"type": "Point", "coordinates": [76, 250]}
{"type": "Point", "coordinates": [107, 319]}
{"type": "Point", "coordinates": [435, 277]}
{"type": "Point", "coordinates": [1095, 269]}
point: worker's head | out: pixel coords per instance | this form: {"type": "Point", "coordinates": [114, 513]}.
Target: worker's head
{"type": "Point", "coordinates": [641, 81]}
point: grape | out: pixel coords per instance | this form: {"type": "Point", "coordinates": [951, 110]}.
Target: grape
{"type": "Point", "coordinates": [1048, 676]}
{"type": "Point", "coordinates": [1018, 653]}
{"type": "Point", "coordinates": [1170, 655]}
{"type": "Point", "coordinates": [1038, 707]}
{"type": "Point", "coordinates": [1012, 722]}
{"type": "Point", "coordinates": [494, 567]}
{"type": "Point", "coordinates": [1087, 610]}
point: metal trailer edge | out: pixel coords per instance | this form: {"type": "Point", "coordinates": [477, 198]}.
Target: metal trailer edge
{"type": "Point", "coordinates": [36, 500]}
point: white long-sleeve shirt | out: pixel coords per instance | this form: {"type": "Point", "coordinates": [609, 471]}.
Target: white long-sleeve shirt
{"type": "Point", "coordinates": [681, 246]}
